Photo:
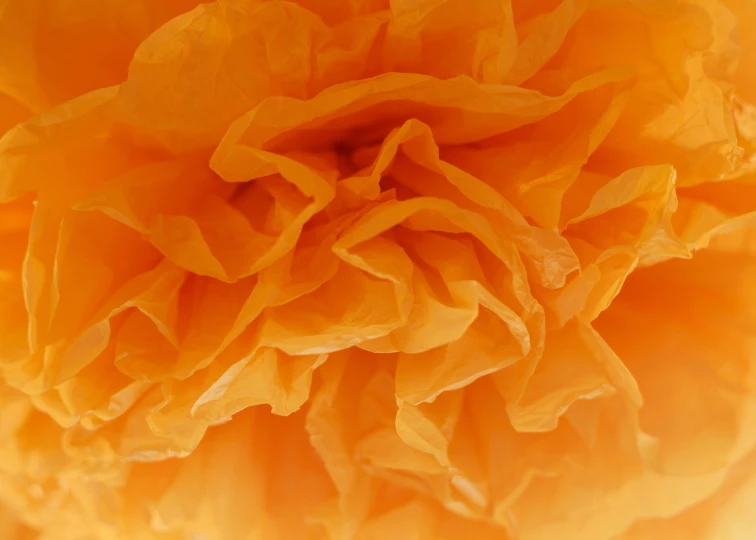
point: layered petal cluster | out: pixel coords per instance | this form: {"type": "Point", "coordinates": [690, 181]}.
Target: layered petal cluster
{"type": "Point", "coordinates": [377, 269]}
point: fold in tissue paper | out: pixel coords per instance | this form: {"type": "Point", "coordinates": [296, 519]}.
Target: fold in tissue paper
{"type": "Point", "coordinates": [378, 269]}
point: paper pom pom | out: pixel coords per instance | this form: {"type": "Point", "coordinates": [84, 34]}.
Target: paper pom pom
{"type": "Point", "coordinates": [375, 270]}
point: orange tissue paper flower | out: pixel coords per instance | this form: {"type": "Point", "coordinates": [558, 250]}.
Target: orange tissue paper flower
{"type": "Point", "coordinates": [378, 269]}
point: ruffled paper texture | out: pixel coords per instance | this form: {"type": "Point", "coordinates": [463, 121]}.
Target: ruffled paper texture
{"type": "Point", "coordinates": [363, 270]}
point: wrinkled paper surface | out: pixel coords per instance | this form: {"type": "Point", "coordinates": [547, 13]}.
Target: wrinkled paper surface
{"type": "Point", "coordinates": [377, 269]}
